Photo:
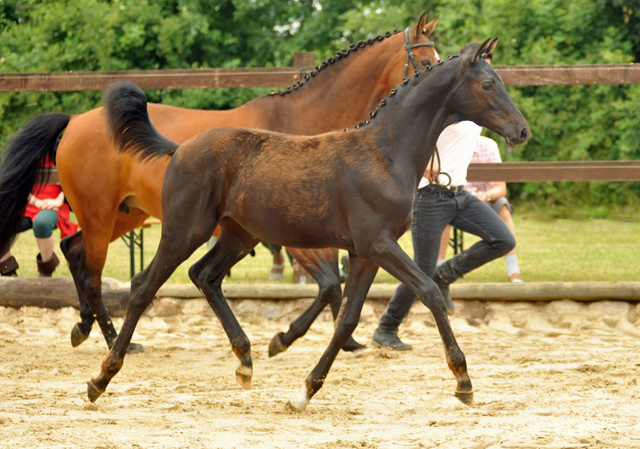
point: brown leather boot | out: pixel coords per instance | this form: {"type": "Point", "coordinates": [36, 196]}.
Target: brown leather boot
{"type": "Point", "coordinates": [9, 267]}
{"type": "Point", "coordinates": [47, 268]}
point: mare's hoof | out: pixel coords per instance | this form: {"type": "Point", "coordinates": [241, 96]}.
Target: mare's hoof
{"type": "Point", "coordinates": [135, 348]}
{"type": "Point", "coordinates": [93, 392]}
{"type": "Point", "coordinates": [276, 346]}
{"type": "Point", "coordinates": [466, 397]}
{"type": "Point", "coordinates": [243, 376]}
{"type": "Point", "coordinates": [78, 336]}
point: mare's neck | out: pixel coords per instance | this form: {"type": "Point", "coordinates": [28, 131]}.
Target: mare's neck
{"type": "Point", "coordinates": [338, 96]}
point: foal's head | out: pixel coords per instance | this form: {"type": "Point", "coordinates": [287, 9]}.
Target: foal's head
{"type": "Point", "coordinates": [484, 98]}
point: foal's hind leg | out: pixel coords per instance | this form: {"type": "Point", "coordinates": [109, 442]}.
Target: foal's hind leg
{"type": "Point", "coordinates": [207, 274]}
{"type": "Point", "coordinates": [390, 257]}
{"type": "Point", "coordinates": [323, 266]}
{"type": "Point", "coordinates": [175, 248]}
{"type": "Point", "coordinates": [361, 276]}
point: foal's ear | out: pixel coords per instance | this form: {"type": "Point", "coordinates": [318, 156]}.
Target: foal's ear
{"type": "Point", "coordinates": [492, 45]}
{"type": "Point", "coordinates": [482, 50]}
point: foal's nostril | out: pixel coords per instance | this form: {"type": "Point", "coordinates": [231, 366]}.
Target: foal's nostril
{"type": "Point", "coordinates": [524, 134]}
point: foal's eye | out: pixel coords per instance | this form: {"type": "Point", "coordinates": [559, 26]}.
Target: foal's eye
{"type": "Point", "coordinates": [487, 85]}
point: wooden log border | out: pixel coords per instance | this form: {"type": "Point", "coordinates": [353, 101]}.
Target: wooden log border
{"type": "Point", "coordinates": [55, 293]}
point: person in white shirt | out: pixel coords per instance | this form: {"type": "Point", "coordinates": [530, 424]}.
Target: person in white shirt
{"type": "Point", "coordinates": [494, 193]}
{"type": "Point", "coordinates": [436, 205]}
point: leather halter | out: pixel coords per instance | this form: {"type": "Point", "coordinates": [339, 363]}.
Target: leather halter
{"type": "Point", "coordinates": [410, 56]}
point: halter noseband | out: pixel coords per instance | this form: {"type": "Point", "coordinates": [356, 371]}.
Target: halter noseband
{"type": "Point", "coordinates": [409, 46]}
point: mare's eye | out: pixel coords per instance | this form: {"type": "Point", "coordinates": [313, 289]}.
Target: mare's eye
{"type": "Point", "coordinates": [487, 85]}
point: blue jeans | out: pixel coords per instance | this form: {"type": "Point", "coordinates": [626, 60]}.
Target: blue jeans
{"type": "Point", "coordinates": [434, 207]}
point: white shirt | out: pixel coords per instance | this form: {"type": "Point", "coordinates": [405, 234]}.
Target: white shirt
{"type": "Point", "coordinates": [456, 145]}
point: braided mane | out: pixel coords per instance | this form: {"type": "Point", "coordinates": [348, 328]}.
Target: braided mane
{"type": "Point", "coordinates": [333, 59]}
{"type": "Point", "coordinates": [418, 78]}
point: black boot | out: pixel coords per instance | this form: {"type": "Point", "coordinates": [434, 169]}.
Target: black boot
{"type": "Point", "coordinates": [386, 336]}
{"type": "Point", "coordinates": [47, 268]}
{"type": "Point", "coordinates": [444, 289]}
{"type": "Point", "coordinates": [9, 267]}
{"type": "Point", "coordinates": [389, 339]}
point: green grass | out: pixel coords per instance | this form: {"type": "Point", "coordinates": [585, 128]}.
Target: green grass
{"type": "Point", "coordinates": [551, 249]}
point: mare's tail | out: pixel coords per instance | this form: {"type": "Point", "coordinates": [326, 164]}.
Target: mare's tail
{"type": "Point", "coordinates": [125, 106]}
{"type": "Point", "coordinates": [27, 151]}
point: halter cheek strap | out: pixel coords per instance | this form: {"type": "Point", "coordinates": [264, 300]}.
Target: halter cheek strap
{"type": "Point", "coordinates": [410, 56]}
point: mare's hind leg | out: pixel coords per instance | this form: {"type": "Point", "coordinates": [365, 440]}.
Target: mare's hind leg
{"type": "Point", "coordinates": [176, 245]}
{"type": "Point", "coordinates": [72, 250]}
{"type": "Point", "coordinates": [207, 274]}
{"type": "Point", "coordinates": [86, 252]}
{"type": "Point", "coordinates": [360, 277]}
{"type": "Point", "coordinates": [323, 266]}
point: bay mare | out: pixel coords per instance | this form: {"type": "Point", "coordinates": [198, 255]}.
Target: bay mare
{"type": "Point", "coordinates": [362, 183]}
{"type": "Point", "coordinates": [113, 192]}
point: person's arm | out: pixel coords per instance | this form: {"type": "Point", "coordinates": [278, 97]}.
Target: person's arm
{"type": "Point", "coordinates": [35, 201]}
{"type": "Point", "coordinates": [496, 190]}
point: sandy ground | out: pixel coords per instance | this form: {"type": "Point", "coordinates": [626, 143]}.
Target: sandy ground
{"type": "Point", "coordinates": [559, 375]}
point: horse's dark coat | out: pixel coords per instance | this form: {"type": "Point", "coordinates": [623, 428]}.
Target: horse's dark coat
{"type": "Point", "coordinates": [362, 183]}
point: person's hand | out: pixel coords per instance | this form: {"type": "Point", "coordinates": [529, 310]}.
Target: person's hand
{"type": "Point", "coordinates": [482, 196]}
{"type": "Point", "coordinates": [432, 175]}
{"type": "Point", "coordinates": [49, 203]}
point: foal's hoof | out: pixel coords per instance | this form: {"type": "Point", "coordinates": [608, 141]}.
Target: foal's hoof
{"type": "Point", "coordinates": [276, 346]}
{"type": "Point", "coordinates": [93, 392]}
{"type": "Point", "coordinates": [466, 397]}
{"type": "Point", "coordinates": [135, 348]}
{"type": "Point", "coordinates": [78, 336]}
{"type": "Point", "coordinates": [243, 376]}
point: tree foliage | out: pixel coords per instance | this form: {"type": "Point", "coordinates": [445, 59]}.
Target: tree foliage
{"type": "Point", "coordinates": [568, 123]}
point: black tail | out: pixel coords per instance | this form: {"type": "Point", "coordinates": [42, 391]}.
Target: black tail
{"type": "Point", "coordinates": [18, 172]}
{"type": "Point", "coordinates": [131, 129]}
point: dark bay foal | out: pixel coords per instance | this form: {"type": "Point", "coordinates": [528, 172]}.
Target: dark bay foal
{"type": "Point", "coordinates": [257, 185]}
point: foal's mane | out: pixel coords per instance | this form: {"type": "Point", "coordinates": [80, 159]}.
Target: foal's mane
{"type": "Point", "coordinates": [339, 55]}
{"type": "Point", "coordinates": [406, 85]}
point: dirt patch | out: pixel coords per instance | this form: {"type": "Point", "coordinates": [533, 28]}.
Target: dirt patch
{"type": "Point", "coordinates": [559, 375]}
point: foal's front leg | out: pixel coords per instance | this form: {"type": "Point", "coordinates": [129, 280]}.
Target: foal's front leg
{"type": "Point", "coordinates": [360, 277]}
{"type": "Point", "coordinates": [392, 258]}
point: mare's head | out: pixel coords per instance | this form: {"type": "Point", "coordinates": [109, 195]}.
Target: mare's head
{"type": "Point", "coordinates": [480, 96]}
{"type": "Point", "coordinates": [416, 54]}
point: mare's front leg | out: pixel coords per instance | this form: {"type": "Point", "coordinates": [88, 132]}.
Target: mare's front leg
{"type": "Point", "coordinates": [361, 275]}
{"type": "Point", "coordinates": [391, 257]}
{"type": "Point", "coordinates": [323, 266]}
{"type": "Point", "coordinates": [208, 273]}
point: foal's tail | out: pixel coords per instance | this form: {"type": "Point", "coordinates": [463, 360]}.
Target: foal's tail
{"type": "Point", "coordinates": [125, 106]}
{"type": "Point", "coordinates": [26, 152]}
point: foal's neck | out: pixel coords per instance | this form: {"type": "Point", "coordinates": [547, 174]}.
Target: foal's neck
{"type": "Point", "coordinates": [410, 123]}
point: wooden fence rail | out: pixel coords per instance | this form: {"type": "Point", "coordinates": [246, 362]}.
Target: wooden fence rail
{"type": "Point", "coordinates": [530, 75]}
